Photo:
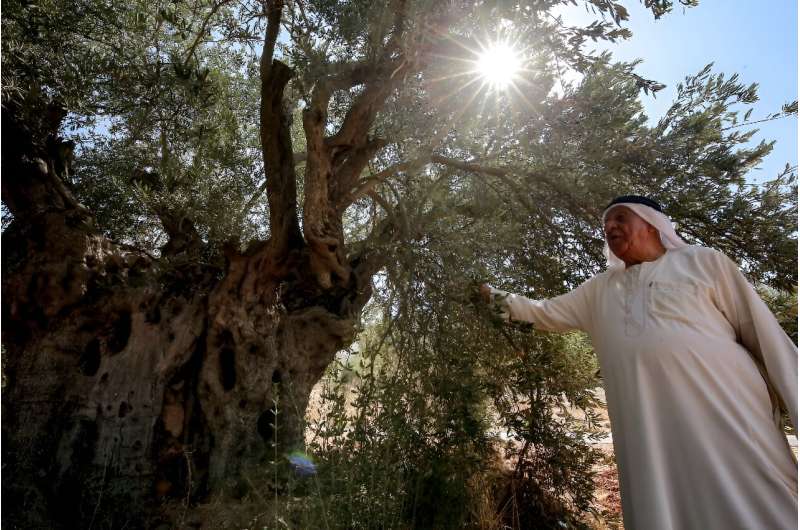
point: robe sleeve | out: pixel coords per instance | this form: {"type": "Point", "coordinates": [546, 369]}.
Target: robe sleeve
{"type": "Point", "coordinates": [758, 330]}
{"type": "Point", "coordinates": [562, 313]}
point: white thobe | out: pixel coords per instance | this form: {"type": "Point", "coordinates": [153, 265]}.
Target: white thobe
{"type": "Point", "coordinates": [695, 437]}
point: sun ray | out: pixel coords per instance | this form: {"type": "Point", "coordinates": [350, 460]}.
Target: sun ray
{"type": "Point", "coordinates": [466, 105]}
{"type": "Point", "coordinates": [457, 90]}
{"type": "Point", "coordinates": [499, 64]}
{"type": "Point", "coordinates": [493, 69]}
{"type": "Point", "coordinates": [452, 76]}
{"type": "Point", "coordinates": [487, 95]}
{"type": "Point", "coordinates": [522, 96]}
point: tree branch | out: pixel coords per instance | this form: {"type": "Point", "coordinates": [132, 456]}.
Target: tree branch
{"type": "Point", "coordinates": [379, 83]}
{"type": "Point", "coordinates": [276, 140]}
{"type": "Point", "coordinates": [273, 9]}
{"type": "Point", "coordinates": [36, 163]}
{"type": "Point", "coordinates": [365, 108]}
{"type": "Point", "coordinates": [501, 173]}
{"type": "Point", "coordinates": [519, 191]}
{"type": "Point", "coordinates": [181, 232]}
{"type": "Point", "coordinates": [367, 186]}
{"type": "Point", "coordinates": [322, 187]}
{"type": "Point", "coordinates": [299, 158]}
{"type": "Point", "coordinates": [183, 236]}
{"type": "Point", "coordinates": [349, 169]}
{"type": "Point", "coordinates": [335, 163]}
{"type": "Point", "coordinates": [470, 166]}
{"type": "Point", "coordinates": [214, 8]}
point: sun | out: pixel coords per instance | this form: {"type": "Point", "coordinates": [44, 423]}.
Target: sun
{"type": "Point", "coordinates": [494, 69]}
{"type": "Point", "coordinates": [498, 65]}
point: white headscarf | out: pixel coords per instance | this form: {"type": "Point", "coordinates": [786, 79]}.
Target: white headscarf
{"type": "Point", "coordinates": [658, 220]}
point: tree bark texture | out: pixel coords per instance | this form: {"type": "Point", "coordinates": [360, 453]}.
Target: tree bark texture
{"type": "Point", "coordinates": [130, 380]}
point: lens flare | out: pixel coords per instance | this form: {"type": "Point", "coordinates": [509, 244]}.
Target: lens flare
{"type": "Point", "coordinates": [301, 463]}
{"type": "Point", "coordinates": [498, 64]}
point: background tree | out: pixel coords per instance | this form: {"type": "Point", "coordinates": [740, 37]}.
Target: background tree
{"type": "Point", "coordinates": [177, 264]}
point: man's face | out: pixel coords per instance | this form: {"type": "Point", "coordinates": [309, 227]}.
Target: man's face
{"type": "Point", "coordinates": [627, 234]}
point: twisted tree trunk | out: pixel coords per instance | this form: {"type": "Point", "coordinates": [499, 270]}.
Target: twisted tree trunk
{"type": "Point", "coordinates": [130, 380]}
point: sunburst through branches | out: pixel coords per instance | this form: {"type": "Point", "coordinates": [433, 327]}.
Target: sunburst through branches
{"type": "Point", "coordinates": [499, 65]}
{"type": "Point", "coordinates": [484, 72]}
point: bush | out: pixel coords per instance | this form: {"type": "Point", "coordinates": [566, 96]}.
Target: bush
{"type": "Point", "coordinates": [448, 420]}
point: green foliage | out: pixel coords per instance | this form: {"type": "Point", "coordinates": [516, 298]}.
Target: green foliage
{"type": "Point", "coordinates": [162, 120]}
{"type": "Point", "coordinates": [408, 445]}
{"type": "Point", "coordinates": [445, 407]}
{"type": "Point", "coordinates": [194, 159]}
{"type": "Point", "coordinates": [163, 103]}
{"type": "Point", "coordinates": [783, 305]}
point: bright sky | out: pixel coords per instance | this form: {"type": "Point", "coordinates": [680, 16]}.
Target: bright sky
{"type": "Point", "coordinates": [755, 38]}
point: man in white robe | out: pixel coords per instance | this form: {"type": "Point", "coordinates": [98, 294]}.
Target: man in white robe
{"type": "Point", "coordinates": [694, 366]}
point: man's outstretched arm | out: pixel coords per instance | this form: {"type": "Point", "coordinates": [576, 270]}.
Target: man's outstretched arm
{"type": "Point", "coordinates": [569, 311]}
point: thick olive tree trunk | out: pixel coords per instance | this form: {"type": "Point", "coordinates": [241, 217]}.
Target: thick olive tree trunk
{"type": "Point", "coordinates": [128, 380]}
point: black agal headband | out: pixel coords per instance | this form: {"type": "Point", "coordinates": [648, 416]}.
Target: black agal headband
{"type": "Point", "coordinates": [636, 199]}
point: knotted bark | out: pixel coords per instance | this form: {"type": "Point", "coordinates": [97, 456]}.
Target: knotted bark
{"type": "Point", "coordinates": [130, 381]}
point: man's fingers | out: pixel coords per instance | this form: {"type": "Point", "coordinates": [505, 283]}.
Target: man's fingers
{"type": "Point", "coordinates": [486, 293]}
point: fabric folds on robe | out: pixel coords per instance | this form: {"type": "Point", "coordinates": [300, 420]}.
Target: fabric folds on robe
{"type": "Point", "coordinates": [689, 355]}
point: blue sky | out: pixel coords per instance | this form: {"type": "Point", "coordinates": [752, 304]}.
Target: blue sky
{"type": "Point", "coordinates": [755, 38]}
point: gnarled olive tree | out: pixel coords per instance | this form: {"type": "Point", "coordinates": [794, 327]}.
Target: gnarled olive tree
{"type": "Point", "coordinates": [198, 195]}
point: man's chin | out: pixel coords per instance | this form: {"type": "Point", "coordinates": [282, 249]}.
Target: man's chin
{"type": "Point", "coordinates": [618, 251]}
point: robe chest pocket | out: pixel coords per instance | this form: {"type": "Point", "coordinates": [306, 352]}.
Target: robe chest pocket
{"type": "Point", "coordinates": [673, 300]}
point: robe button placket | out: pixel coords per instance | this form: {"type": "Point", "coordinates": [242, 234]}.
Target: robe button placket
{"type": "Point", "coordinates": [633, 328]}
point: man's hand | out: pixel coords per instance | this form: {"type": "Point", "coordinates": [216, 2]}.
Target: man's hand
{"type": "Point", "coordinates": [486, 293]}
{"type": "Point", "coordinates": [496, 300]}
